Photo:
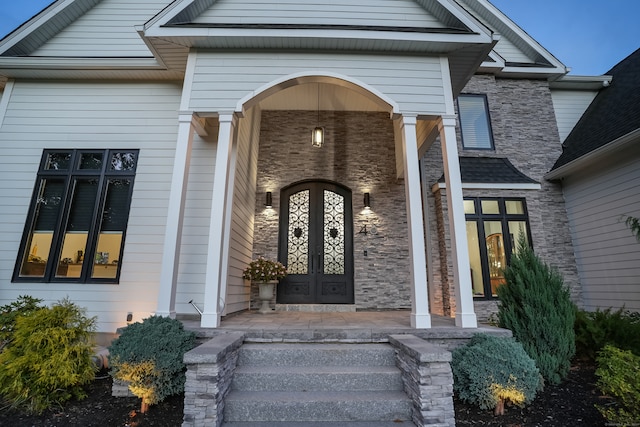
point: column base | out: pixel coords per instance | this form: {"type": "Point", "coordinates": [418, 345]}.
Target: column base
{"type": "Point", "coordinates": [421, 321]}
{"type": "Point", "coordinates": [466, 320]}
{"type": "Point", "coordinates": [210, 320]}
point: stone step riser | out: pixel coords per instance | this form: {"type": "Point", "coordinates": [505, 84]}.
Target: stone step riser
{"type": "Point", "coordinates": [250, 408]}
{"type": "Point", "coordinates": [277, 380]}
{"type": "Point", "coordinates": [316, 355]}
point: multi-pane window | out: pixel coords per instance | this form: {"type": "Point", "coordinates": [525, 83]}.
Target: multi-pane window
{"type": "Point", "coordinates": [494, 227]}
{"type": "Point", "coordinates": [77, 219]}
{"type": "Point", "coordinates": [475, 125]}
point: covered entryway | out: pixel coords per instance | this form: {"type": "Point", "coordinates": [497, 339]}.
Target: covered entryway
{"type": "Point", "coordinates": [316, 244]}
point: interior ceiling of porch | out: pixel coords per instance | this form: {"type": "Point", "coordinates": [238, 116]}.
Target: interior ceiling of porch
{"type": "Point", "coordinates": [323, 96]}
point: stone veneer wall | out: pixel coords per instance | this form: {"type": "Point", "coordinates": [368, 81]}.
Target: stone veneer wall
{"type": "Point", "coordinates": [525, 131]}
{"type": "Point", "coordinates": [359, 153]}
{"type": "Point", "coordinates": [427, 380]}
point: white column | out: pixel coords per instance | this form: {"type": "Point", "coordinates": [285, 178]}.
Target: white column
{"type": "Point", "coordinates": [175, 215]}
{"type": "Point", "coordinates": [465, 314]}
{"type": "Point", "coordinates": [420, 316]}
{"type": "Point", "coordinates": [217, 254]}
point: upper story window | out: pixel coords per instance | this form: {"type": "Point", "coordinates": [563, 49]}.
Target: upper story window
{"type": "Point", "coordinates": [78, 217]}
{"type": "Point", "coordinates": [475, 124]}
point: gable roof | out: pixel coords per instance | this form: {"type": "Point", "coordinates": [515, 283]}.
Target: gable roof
{"type": "Point", "coordinates": [613, 115]}
{"type": "Point", "coordinates": [161, 33]}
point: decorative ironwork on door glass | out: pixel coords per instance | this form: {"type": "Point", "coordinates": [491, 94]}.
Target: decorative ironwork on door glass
{"type": "Point", "coordinates": [334, 256]}
{"type": "Point", "coordinates": [298, 233]}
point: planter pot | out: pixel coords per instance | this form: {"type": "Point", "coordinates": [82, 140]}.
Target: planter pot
{"type": "Point", "coordinates": [265, 295]}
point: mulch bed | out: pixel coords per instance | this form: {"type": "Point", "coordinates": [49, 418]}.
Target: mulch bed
{"type": "Point", "coordinates": [568, 404]}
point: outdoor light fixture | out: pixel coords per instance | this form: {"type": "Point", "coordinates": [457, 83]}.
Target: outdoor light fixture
{"type": "Point", "coordinates": [317, 135]}
{"type": "Point", "coordinates": [367, 201]}
{"type": "Point", "coordinates": [268, 200]}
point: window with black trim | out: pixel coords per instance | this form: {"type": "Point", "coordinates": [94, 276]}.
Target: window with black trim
{"type": "Point", "coordinates": [475, 124]}
{"type": "Point", "coordinates": [494, 226]}
{"type": "Point", "coordinates": [78, 216]}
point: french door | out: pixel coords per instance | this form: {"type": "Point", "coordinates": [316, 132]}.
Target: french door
{"type": "Point", "coordinates": [316, 244]}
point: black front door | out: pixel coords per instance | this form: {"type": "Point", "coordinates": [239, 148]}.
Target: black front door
{"type": "Point", "coordinates": [316, 244]}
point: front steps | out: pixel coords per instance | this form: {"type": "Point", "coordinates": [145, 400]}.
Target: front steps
{"type": "Point", "coordinates": [307, 384]}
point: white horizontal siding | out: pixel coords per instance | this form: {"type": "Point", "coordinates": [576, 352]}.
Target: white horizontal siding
{"type": "Point", "coordinates": [221, 79]}
{"type": "Point", "coordinates": [242, 221]}
{"type": "Point", "coordinates": [569, 105]}
{"type": "Point", "coordinates": [388, 13]}
{"type": "Point", "coordinates": [105, 30]}
{"type": "Point", "coordinates": [607, 254]}
{"type": "Point", "coordinates": [92, 115]}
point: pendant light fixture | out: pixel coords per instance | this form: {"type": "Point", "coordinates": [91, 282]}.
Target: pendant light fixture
{"type": "Point", "coordinates": [317, 135]}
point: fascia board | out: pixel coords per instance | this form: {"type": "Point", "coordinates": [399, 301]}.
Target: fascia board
{"type": "Point", "coordinates": [203, 32]}
{"type": "Point", "coordinates": [465, 17]}
{"type": "Point", "coordinates": [489, 186]}
{"type": "Point", "coordinates": [167, 14]}
{"type": "Point", "coordinates": [51, 63]}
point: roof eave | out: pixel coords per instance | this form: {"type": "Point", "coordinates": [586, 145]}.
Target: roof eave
{"type": "Point", "coordinates": [593, 157]}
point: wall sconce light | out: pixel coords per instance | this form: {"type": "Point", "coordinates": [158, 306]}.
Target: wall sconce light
{"type": "Point", "coordinates": [367, 201]}
{"type": "Point", "coordinates": [268, 200]}
{"type": "Point", "coordinates": [317, 135]}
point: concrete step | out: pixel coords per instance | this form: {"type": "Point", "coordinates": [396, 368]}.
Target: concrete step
{"type": "Point", "coordinates": [339, 406]}
{"type": "Point", "coordinates": [317, 378]}
{"type": "Point", "coordinates": [395, 423]}
{"type": "Point", "coordinates": [301, 354]}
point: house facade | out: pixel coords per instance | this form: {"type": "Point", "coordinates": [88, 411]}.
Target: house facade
{"type": "Point", "coordinates": [151, 149]}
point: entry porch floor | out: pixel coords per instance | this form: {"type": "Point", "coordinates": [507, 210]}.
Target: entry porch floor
{"type": "Point", "coordinates": [361, 326]}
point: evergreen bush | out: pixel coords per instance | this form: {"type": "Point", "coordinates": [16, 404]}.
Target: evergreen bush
{"type": "Point", "coordinates": [148, 356]}
{"type": "Point", "coordinates": [49, 357]}
{"type": "Point", "coordinates": [22, 306]}
{"type": "Point", "coordinates": [618, 377]}
{"type": "Point", "coordinates": [536, 306]}
{"type": "Point", "coordinates": [595, 329]}
{"type": "Point", "coordinates": [490, 371]}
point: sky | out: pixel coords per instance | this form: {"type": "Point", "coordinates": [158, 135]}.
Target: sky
{"type": "Point", "coordinates": [588, 36]}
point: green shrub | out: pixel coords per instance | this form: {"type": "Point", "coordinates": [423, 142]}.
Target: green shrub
{"type": "Point", "coordinates": [618, 377]}
{"type": "Point", "coordinates": [489, 371]}
{"type": "Point", "coordinates": [49, 358]}
{"type": "Point", "coordinates": [536, 306]}
{"type": "Point", "coordinates": [148, 356]}
{"type": "Point", "coordinates": [23, 306]}
{"type": "Point", "coordinates": [594, 330]}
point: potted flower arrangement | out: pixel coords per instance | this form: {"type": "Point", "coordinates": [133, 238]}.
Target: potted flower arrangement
{"type": "Point", "coordinates": [265, 273]}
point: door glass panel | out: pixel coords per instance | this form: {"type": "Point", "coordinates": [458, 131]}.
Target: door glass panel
{"type": "Point", "coordinates": [298, 233]}
{"type": "Point", "coordinates": [475, 259]}
{"type": "Point", "coordinates": [113, 224]}
{"type": "Point", "coordinates": [334, 256]}
{"type": "Point", "coordinates": [47, 209]}
{"type": "Point", "coordinates": [495, 253]}
{"type": "Point", "coordinates": [77, 230]}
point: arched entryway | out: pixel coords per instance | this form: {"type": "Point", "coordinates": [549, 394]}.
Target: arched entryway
{"type": "Point", "coordinates": [316, 243]}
